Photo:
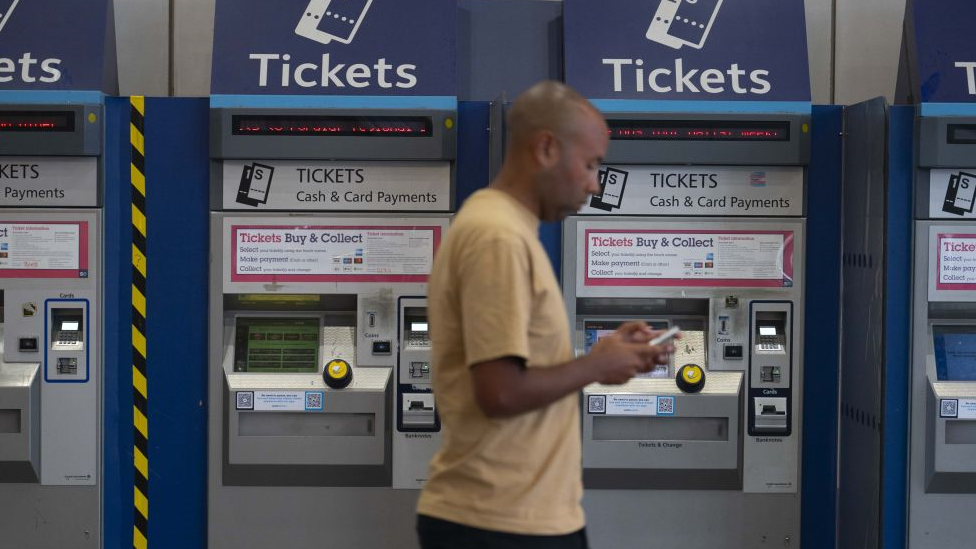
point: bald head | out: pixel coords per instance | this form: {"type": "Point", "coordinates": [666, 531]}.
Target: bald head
{"type": "Point", "coordinates": [548, 105]}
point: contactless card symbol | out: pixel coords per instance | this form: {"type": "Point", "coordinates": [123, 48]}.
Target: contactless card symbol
{"type": "Point", "coordinates": [680, 23]}
{"type": "Point", "coordinates": [255, 184]}
{"type": "Point", "coordinates": [6, 9]}
{"type": "Point", "coordinates": [612, 183]}
{"type": "Point", "coordinates": [326, 20]}
{"type": "Point", "coordinates": [960, 195]}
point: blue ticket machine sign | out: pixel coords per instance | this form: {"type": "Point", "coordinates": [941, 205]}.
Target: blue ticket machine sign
{"type": "Point", "coordinates": [687, 50]}
{"type": "Point", "coordinates": [334, 47]}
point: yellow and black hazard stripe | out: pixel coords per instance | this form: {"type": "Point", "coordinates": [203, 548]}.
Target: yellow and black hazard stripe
{"type": "Point", "coordinates": [140, 389]}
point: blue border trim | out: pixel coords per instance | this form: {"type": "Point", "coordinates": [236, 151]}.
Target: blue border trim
{"type": "Point", "coordinates": [52, 97]}
{"type": "Point", "coordinates": [948, 109]}
{"type": "Point", "coordinates": [439, 102]}
{"type": "Point", "coordinates": [642, 105]}
{"type": "Point", "coordinates": [87, 339]}
{"type": "Point", "coordinates": [897, 344]}
{"type": "Point", "coordinates": [821, 347]}
{"type": "Point", "coordinates": [117, 304]}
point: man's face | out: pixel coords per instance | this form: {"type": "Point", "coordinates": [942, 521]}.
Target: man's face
{"type": "Point", "coordinates": [574, 177]}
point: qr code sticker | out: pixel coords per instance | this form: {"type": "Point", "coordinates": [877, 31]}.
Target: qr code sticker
{"type": "Point", "coordinates": [245, 400]}
{"type": "Point", "coordinates": [949, 408]}
{"type": "Point", "coordinates": [597, 404]}
{"type": "Point", "coordinates": [665, 405]}
{"type": "Point", "coordinates": [313, 400]}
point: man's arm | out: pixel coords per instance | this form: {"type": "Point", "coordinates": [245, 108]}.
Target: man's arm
{"type": "Point", "coordinates": [504, 387]}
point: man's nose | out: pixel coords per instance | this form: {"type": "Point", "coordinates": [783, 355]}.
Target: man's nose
{"type": "Point", "coordinates": [594, 187]}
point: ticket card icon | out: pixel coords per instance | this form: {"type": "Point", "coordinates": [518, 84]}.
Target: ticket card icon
{"type": "Point", "coordinates": [6, 10]}
{"type": "Point", "coordinates": [960, 195]}
{"type": "Point", "coordinates": [255, 184]}
{"type": "Point", "coordinates": [680, 23]}
{"type": "Point", "coordinates": [326, 20]}
{"type": "Point", "coordinates": [612, 184]}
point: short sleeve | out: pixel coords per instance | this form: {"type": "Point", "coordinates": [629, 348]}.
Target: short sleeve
{"type": "Point", "coordinates": [495, 294]}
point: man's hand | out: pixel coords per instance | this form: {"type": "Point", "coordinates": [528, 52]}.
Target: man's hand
{"type": "Point", "coordinates": [505, 387]}
{"type": "Point", "coordinates": [626, 352]}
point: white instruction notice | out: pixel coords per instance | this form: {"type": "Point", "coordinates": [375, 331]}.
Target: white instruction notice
{"type": "Point", "coordinates": [332, 251]}
{"type": "Point", "coordinates": [658, 258]}
{"type": "Point", "coordinates": [40, 246]}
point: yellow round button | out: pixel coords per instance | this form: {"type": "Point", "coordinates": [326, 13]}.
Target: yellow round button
{"type": "Point", "coordinates": [690, 378]}
{"type": "Point", "coordinates": [692, 373]}
{"type": "Point", "coordinates": [337, 369]}
{"type": "Point", "coordinates": [337, 374]}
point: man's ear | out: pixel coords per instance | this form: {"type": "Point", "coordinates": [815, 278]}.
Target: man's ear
{"type": "Point", "coordinates": [546, 149]}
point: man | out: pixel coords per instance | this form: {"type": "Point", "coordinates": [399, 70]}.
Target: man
{"type": "Point", "coordinates": [508, 473]}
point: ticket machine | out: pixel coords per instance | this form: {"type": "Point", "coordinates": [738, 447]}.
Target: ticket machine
{"type": "Point", "coordinates": [907, 446]}
{"type": "Point", "coordinates": [942, 483]}
{"type": "Point", "coordinates": [700, 223]}
{"type": "Point", "coordinates": [51, 290]}
{"type": "Point", "coordinates": [324, 225]}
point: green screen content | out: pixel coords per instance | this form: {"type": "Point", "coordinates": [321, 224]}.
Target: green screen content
{"type": "Point", "coordinates": [287, 345]}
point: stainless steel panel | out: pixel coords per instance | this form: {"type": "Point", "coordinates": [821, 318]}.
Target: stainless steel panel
{"type": "Point", "coordinates": [862, 323]}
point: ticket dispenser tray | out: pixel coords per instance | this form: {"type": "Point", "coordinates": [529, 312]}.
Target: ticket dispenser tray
{"type": "Point", "coordinates": [20, 397]}
{"type": "Point", "coordinates": [647, 434]}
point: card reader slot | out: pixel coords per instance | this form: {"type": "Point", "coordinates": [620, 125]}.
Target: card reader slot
{"type": "Point", "coordinates": [960, 432]}
{"type": "Point", "coordinates": [300, 424]}
{"type": "Point", "coordinates": [650, 428]}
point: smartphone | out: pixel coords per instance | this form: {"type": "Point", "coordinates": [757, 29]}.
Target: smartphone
{"type": "Point", "coordinates": [6, 8]}
{"type": "Point", "coordinates": [328, 20]}
{"type": "Point", "coordinates": [666, 336]}
{"type": "Point", "coordinates": [680, 23]}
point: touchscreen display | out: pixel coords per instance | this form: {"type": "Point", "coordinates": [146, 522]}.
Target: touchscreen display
{"type": "Point", "coordinates": [955, 352]}
{"type": "Point", "coordinates": [277, 345]}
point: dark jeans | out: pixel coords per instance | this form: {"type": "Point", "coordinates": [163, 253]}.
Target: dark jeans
{"type": "Point", "coordinates": [441, 534]}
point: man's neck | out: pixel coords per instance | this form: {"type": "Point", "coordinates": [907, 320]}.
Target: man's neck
{"type": "Point", "coordinates": [519, 187]}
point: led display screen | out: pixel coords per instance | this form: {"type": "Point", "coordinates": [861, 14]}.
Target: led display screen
{"type": "Point", "coordinates": [37, 121]}
{"type": "Point", "coordinates": [334, 126]}
{"type": "Point", "coordinates": [698, 130]}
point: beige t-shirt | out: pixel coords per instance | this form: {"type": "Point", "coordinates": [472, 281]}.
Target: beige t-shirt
{"type": "Point", "coordinates": [493, 294]}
